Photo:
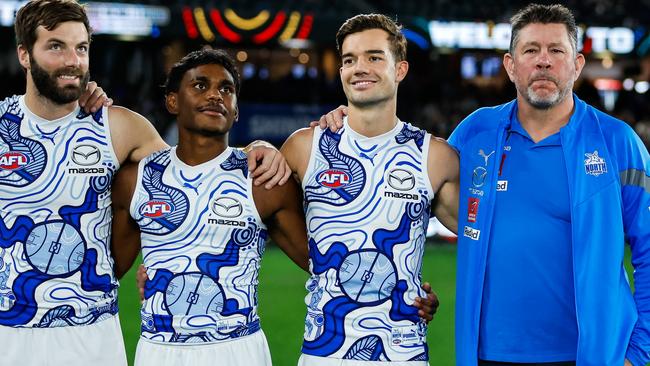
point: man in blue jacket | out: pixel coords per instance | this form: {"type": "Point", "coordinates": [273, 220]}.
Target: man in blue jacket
{"type": "Point", "coordinates": [551, 189]}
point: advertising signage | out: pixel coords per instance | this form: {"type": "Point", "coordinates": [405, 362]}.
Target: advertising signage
{"type": "Point", "coordinates": [475, 35]}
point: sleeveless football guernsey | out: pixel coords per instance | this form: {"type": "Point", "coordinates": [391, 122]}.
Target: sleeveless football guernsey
{"type": "Point", "coordinates": [367, 203]}
{"type": "Point", "coordinates": [202, 242]}
{"type": "Point", "coordinates": [55, 218]}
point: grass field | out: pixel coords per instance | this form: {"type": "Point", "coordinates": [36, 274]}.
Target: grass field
{"type": "Point", "coordinates": [282, 308]}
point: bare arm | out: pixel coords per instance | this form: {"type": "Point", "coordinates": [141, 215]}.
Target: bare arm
{"type": "Point", "coordinates": [297, 150]}
{"type": "Point", "coordinates": [442, 164]}
{"type": "Point", "coordinates": [133, 136]}
{"type": "Point", "coordinates": [125, 237]}
{"type": "Point", "coordinates": [281, 210]}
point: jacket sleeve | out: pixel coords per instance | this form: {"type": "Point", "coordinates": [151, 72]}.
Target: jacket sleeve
{"type": "Point", "coordinates": [634, 172]}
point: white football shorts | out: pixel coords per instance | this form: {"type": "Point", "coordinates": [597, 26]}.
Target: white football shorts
{"type": "Point", "coordinates": [251, 350]}
{"type": "Point", "coordinates": [97, 344]}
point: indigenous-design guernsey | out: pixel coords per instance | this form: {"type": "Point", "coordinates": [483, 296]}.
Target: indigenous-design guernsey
{"type": "Point", "coordinates": [367, 203]}
{"type": "Point", "coordinates": [55, 215]}
{"type": "Point", "coordinates": [202, 242]}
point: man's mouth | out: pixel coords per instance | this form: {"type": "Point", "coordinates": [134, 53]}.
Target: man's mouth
{"type": "Point", "coordinates": [361, 84]}
{"type": "Point", "coordinates": [213, 110]}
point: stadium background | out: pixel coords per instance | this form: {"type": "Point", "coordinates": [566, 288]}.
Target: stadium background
{"type": "Point", "coordinates": [289, 68]}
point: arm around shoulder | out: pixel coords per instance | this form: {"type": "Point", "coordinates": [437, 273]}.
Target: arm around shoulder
{"type": "Point", "coordinates": [297, 150]}
{"type": "Point", "coordinates": [133, 136]}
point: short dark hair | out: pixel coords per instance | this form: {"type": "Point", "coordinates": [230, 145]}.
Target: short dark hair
{"type": "Point", "coordinates": [196, 59]}
{"type": "Point", "coordinates": [49, 14]}
{"type": "Point", "coordinates": [544, 14]}
{"type": "Point", "coordinates": [362, 22]}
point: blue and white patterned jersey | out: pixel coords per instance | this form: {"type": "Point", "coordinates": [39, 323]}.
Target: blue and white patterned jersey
{"type": "Point", "coordinates": [202, 242]}
{"type": "Point", "coordinates": [55, 218]}
{"type": "Point", "coordinates": [367, 204]}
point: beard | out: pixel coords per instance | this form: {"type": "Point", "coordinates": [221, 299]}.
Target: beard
{"type": "Point", "coordinates": [46, 83]}
{"type": "Point", "coordinates": [549, 101]}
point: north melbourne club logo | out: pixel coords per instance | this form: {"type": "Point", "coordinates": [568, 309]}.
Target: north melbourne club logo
{"type": "Point", "coordinates": [401, 179]}
{"type": "Point", "coordinates": [86, 155]}
{"type": "Point", "coordinates": [594, 164]}
{"type": "Point", "coordinates": [227, 207]}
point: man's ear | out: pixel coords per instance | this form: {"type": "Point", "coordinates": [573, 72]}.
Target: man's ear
{"type": "Point", "coordinates": [236, 113]}
{"type": "Point", "coordinates": [508, 65]}
{"type": "Point", "coordinates": [171, 102]}
{"type": "Point", "coordinates": [401, 69]}
{"type": "Point", "coordinates": [23, 56]}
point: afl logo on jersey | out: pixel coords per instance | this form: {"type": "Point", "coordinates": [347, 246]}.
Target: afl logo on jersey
{"type": "Point", "coordinates": [156, 209]}
{"type": "Point", "coordinates": [86, 155]}
{"type": "Point", "coordinates": [401, 180]}
{"type": "Point", "coordinates": [13, 160]}
{"type": "Point", "coordinates": [334, 178]}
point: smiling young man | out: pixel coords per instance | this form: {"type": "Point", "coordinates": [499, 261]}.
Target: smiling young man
{"type": "Point", "coordinates": [368, 191]}
{"type": "Point", "coordinates": [58, 293]}
{"type": "Point", "coordinates": [202, 226]}
{"type": "Point", "coordinates": [561, 187]}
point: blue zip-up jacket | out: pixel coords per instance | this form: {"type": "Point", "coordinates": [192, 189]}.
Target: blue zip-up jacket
{"type": "Point", "coordinates": [608, 168]}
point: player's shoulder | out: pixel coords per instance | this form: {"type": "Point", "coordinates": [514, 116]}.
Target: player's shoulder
{"type": "Point", "coordinates": [123, 115]}
{"type": "Point", "coordinates": [440, 146]}
{"type": "Point", "coordinates": [305, 133]}
{"type": "Point", "coordinates": [299, 140]}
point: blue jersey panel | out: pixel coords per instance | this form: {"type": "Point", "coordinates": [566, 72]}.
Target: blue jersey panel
{"type": "Point", "coordinates": [528, 311]}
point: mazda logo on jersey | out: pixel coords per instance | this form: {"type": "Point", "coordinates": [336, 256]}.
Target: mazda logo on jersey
{"type": "Point", "coordinates": [227, 207]}
{"type": "Point", "coordinates": [334, 178]}
{"type": "Point", "coordinates": [156, 209]}
{"type": "Point", "coordinates": [478, 176]}
{"type": "Point", "coordinates": [401, 179]}
{"type": "Point", "coordinates": [86, 155]}
{"type": "Point", "coordinates": [13, 160]}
